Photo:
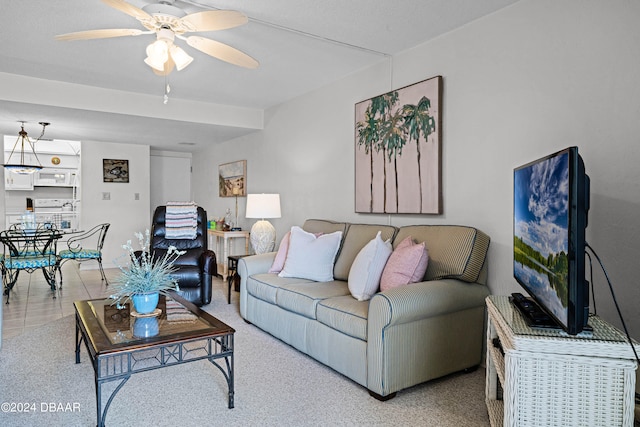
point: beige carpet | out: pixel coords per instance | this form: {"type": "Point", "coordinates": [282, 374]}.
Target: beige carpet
{"type": "Point", "coordinates": [274, 385]}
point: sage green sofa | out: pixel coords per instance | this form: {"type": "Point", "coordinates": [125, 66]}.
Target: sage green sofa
{"type": "Point", "coordinates": [401, 337]}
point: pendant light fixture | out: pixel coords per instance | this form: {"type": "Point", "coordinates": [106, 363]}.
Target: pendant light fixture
{"type": "Point", "coordinates": [32, 164]}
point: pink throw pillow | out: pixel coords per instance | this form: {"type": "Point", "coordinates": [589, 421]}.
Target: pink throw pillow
{"type": "Point", "coordinates": [407, 264]}
{"type": "Point", "coordinates": [281, 256]}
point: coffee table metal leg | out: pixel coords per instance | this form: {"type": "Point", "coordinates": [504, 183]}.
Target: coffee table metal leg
{"type": "Point", "coordinates": [79, 338]}
{"type": "Point", "coordinates": [227, 343]}
{"type": "Point", "coordinates": [102, 414]}
{"type": "Point", "coordinates": [229, 361]}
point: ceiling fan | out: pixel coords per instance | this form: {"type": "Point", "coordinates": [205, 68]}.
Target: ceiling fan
{"type": "Point", "coordinates": [169, 22]}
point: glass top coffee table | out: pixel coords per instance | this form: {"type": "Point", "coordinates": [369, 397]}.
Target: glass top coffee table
{"type": "Point", "coordinates": [121, 342]}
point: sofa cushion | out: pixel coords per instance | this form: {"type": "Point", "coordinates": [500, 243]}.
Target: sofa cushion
{"type": "Point", "coordinates": [323, 226]}
{"type": "Point", "coordinates": [455, 252]}
{"type": "Point", "coordinates": [302, 298]}
{"type": "Point", "coordinates": [345, 314]}
{"type": "Point", "coordinates": [356, 237]}
{"type": "Point", "coordinates": [264, 286]}
{"type": "Point", "coordinates": [311, 257]}
{"type": "Point", "coordinates": [366, 270]}
{"type": "Point", "coordinates": [407, 264]}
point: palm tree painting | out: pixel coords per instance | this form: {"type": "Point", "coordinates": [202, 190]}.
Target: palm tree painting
{"type": "Point", "coordinates": [398, 150]}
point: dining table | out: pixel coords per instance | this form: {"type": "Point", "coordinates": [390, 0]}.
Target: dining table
{"type": "Point", "coordinates": [30, 248]}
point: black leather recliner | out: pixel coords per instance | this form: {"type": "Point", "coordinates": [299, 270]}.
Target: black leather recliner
{"type": "Point", "coordinates": [196, 267]}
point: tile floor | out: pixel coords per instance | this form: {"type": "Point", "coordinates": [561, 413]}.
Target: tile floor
{"type": "Point", "coordinates": [31, 303]}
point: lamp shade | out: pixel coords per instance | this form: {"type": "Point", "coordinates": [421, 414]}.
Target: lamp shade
{"type": "Point", "coordinates": [263, 206]}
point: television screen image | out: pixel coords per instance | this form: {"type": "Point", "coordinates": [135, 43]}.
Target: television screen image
{"type": "Point", "coordinates": [550, 208]}
{"type": "Point", "coordinates": [541, 231]}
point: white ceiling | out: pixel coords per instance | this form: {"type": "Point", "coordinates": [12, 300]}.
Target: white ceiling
{"type": "Point", "coordinates": [301, 45]}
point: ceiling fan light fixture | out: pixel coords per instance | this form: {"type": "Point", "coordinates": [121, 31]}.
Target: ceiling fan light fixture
{"type": "Point", "coordinates": [154, 63]}
{"type": "Point", "coordinates": [157, 54]}
{"type": "Point", "coordinates": [180, 57]}
{"type": "Point", "coordinates": [168, 22]}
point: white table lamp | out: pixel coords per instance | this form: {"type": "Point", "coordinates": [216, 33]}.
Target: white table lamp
{"type": "Point", "coordinates": [263, 234]}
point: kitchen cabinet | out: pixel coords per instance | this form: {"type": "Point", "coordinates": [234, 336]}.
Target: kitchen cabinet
{"type": "Point", "coordinates": [57, 157]}
{"type": "Point", "coordinates": [16, 181]}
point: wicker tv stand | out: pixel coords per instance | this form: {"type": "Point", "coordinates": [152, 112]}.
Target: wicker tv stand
{"type": "Point", "coordinates": [548, 378]}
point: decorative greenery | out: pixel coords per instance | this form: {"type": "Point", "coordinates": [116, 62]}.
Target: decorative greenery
{"type": "Point", "coordinates": [145, 273]}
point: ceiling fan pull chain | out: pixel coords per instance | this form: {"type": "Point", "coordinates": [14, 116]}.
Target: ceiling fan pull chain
{"type": "Point", "coordinates": [167, 89]}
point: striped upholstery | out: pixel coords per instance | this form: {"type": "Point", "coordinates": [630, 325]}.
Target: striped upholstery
{"type": "Point", "coordinates": [399, 338]}
{"type": "Point", "coordinates": [345, 314]}
{"type": "Point", "coordinates": [302, 298]}
{"type": "Point", "coordinates": [324, 226]}
{"type": "Point", "coordinates": [455, 252]}
{"type": "Point", "coordinates": [81, 254]}
{"type": "Point", "coordinates": [355, 237]}
{"type": "Point", "coordinates": [265, 286]}
{"type": "Point", "coordinates": [358, 235]}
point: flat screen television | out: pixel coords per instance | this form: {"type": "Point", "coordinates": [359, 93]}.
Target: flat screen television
{"type": "Point", "coordinates": [550, 211]}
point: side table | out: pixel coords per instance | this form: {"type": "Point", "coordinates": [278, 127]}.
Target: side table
{"type": "Point", "coordinates": [232, 271]}
{"type": "Point", "coordinates": [222, 245]}
{"type": "Point", "coordinates": [541, 377]}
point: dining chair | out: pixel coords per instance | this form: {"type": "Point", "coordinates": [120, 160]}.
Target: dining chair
{"type": "Point", "coordinates": [85, 247]}
{"type": "Point", "coordinates": [28, 250]}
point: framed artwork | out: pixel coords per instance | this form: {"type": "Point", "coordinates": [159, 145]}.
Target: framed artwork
{"type": "Point", "coordinates": [232, 179]}
{"type": "Point", "coordinates": [115, 170]}
{"type": "Point", "coordinates": [398, 155]}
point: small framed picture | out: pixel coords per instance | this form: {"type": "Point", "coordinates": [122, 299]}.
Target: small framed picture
{"type": "Point", "coordinates": [232, 179]}
{"type": "Point", "coordinates": [115, 170]}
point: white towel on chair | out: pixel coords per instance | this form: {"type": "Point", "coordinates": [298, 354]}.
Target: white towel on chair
{"type": "Point", "coordinates": [181, 220]}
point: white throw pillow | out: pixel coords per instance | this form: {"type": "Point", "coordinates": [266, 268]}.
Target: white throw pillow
{"type": "Point", "coordinates": [311, 257]}
{"type": "Point", "coordinates": [366, 270]}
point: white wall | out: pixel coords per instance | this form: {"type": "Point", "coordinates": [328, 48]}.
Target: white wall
{"type": "Point", "coordinates": [171, 178]}
{"type": "Point", "coordinates": [519, 84]}
{"type": "Point", "coordinates": [125, 214]}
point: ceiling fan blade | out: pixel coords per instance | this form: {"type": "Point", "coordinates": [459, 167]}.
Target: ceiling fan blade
{"type": "Point", "coordinates": [100, 34]}
{"type": "Point", "coordinates": [129, 9]}
{"type": "Point", "coordinates": [222, 51]}
{"type": "Point", "coordinates": [214, 20]}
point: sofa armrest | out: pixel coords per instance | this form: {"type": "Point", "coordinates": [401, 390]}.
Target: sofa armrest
{"type": "Point", "coordinates": [247, 267]}
{"type": "Point", "coordinates": [423, 331]}
{"type": "Point", "coordinates": [208, 263]}
{"type": "Point", "coordinates": [424, 299]}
